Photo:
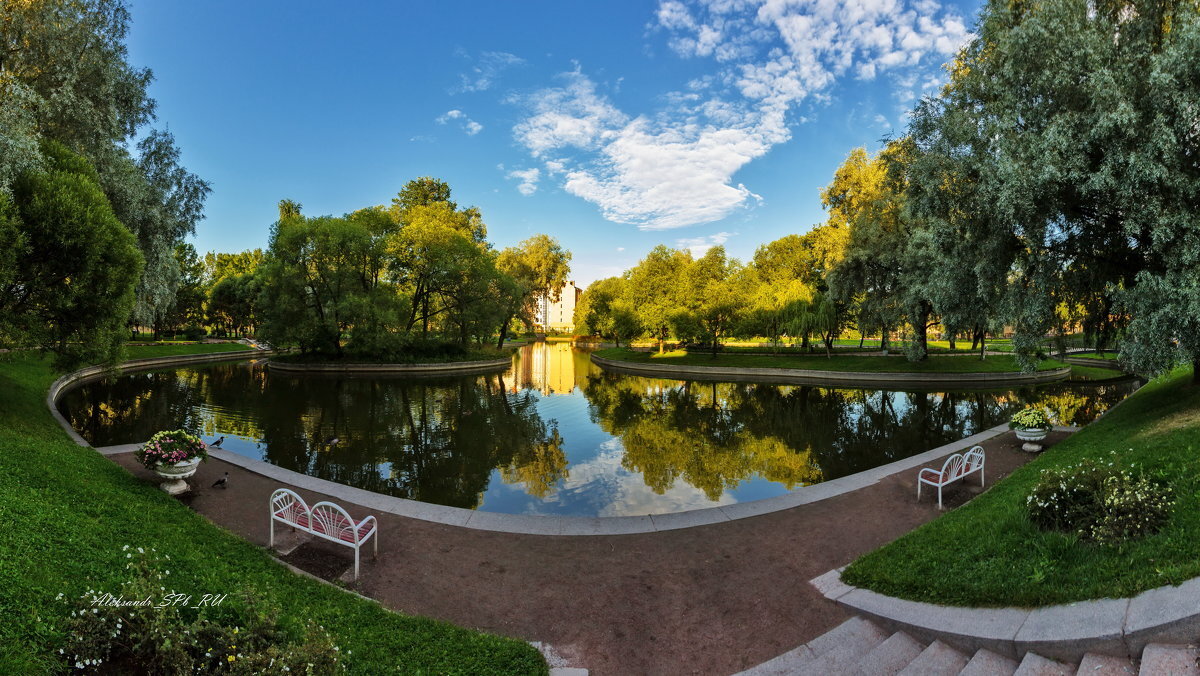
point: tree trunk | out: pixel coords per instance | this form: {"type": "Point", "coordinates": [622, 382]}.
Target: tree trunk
{"type": "Point", "coordinates": [503, 332]}
{"type": "Point", "coordinates": [883, 340]}
{"type": "Point", "coordinates": [982, 346]}
{"type": "Point", "coordinates": [952, 340]}
{"type": "Point", "coordinates": [922, 329]}
{"type": "Point", "coordinates": [1196, 371]}
{"type": "Point", "coordinates": [861, 338]}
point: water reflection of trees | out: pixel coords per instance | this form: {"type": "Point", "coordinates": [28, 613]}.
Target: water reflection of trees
{"type": "Point", "coordinates": [431, 440]}
{"type": "Point", "coordinates": [441, 441]}
{"type": "Point", "coordinates": [717, 435]}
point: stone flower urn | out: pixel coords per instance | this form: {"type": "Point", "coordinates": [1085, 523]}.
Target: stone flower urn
{"type": "Point", "coordinates": [1032, 435]}
{"type": "Point", "coordinates": [175, 475]}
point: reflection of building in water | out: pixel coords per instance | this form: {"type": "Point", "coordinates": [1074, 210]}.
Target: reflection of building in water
{"type": "Point", "coordinates": [557, 315]}
{"type": "Point", "coordinates": [546, 367]}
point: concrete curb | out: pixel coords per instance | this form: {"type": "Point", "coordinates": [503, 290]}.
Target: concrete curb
{"type": "Point", "coordinates": [1120, 627]}
{"type": "Point", "coordinates": [834, 378]}
{"type": "Point", "coordinates": [456, 368]}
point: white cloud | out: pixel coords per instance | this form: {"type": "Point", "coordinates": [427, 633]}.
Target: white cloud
{"type": "Point", "coordinates": [700, 245]}
{"type": "Point", "coordinates": [486, 70]}
{"type": "Point", "coordinates": [675, 167]}
{"type": "Point", "coordinates": [471, 127]}
{"type": "Point", "coordinates": [528, 180]}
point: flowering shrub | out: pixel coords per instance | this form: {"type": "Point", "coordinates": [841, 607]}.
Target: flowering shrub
{"type": "Point", "coordinates": [155, 637]}
{"type": "Point", "coordinates": [1099, 502]}
{"type": "Point", "coordinates": [169, 447]}
{"type": "Point", "coordinates": [1030, 418]}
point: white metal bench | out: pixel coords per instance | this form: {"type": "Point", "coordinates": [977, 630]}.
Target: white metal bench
{"type": "Point", "coordinates": [956, 467]}
{"type": "Point", "coordinates": [324, 520]}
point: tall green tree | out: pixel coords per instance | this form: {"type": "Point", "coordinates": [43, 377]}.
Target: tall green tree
{"type": "Point", "coordinates": [655, 290]}
{"type": "Point", "coordinates": [1083, 190]}
{"type": "Point", "coordinates": [538, 267]}
{"type": "Point", "coordinates": [604, 311]}
{"type": "Point", "coordinates": [69, 269]}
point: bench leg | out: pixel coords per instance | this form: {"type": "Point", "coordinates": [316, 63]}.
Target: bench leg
{"type": "Point", "coordinates": [271, 541]}
{"type": "Point", "coordinates": [918, 490]}
{"type": "Point", "coordinates": [376, 554]}
{"type": "Point", "coordinates": [356, 564]}
{"type": "Point", "coordinates": [939, 497]}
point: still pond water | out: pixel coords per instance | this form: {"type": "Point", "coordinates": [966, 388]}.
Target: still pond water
{"type": "Point", "coordinates": [555, 434]}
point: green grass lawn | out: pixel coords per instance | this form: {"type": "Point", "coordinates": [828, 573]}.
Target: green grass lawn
{"type": "Point", "coordinates": [839, 362]}
{"type": "Point", "coordinates": [987, 553]}
{"type": "Point", "coordinates": [1094, 372]}
{"type": "Point", "coordinates": [176, 349]}
{"type": "Point", "coordinates": [67, 511]}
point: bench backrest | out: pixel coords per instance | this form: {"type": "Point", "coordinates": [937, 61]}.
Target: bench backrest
{"type": "Point", "coordinates": [973, 459]}
{"type": "Point", "coordinates": [330, 519]}
{"type": "Point", "coordinates": [953, 468]}
{"type": "Point", "coordinates": [290, 504]}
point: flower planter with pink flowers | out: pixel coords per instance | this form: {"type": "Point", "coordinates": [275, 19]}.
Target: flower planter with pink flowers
{"type": "Point", "coordinates": [174, 455]}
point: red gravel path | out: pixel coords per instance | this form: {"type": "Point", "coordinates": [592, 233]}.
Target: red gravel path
{"type": "Point", "coordinates": [708, 600]}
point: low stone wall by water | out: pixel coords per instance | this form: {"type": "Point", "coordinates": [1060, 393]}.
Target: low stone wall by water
{"type": "Point", "coordinates": [835, 378]}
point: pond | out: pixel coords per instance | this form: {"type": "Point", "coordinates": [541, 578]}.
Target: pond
{"type": "Point", "coordinates": [555, 434]}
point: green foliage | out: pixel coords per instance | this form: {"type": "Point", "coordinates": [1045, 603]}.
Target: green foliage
{"type": "Point", "coordinates": [71, 271]}
{"type": "Point", "coordinates": [66, 77]}
{"type": "Point", "coordinates": [1099, 502]}
{"type": "Point", "coordinates": [171, 446]}
{"type": "Point", "coordinates": [603, 310]}
{"type": "Point", "coordinates": [654, 290]}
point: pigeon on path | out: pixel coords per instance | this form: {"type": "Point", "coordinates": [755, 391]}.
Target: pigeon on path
{"type": "Point", "coordinates": [218, 442]}
{"type": "Point", "coordinates": [223, 482]}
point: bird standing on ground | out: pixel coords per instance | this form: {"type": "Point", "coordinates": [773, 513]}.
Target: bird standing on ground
{"type": "Point", "coordinates": [223, 482]}
{"type": "Point", "coordinates": [218, 442]}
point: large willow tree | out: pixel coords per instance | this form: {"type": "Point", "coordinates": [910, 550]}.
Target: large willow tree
{"type": "Point", "coordinates": [65, 76]}
{"type": "Point", "coordinates": [1063, 160]}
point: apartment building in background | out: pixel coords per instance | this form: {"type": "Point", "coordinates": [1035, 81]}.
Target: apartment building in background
{"type": "Point", "coordinates": [557, 316]}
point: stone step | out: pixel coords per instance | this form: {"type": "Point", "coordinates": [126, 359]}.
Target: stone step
{"type": "Point", "coordinates": [841, 659]}
{"type": "Point", "coordinates": [791, 662]}
{"type": "Point", "coordinates": [1036, 665]}
{"type": "Point", "coordinates": [891, 656]}
{"type": "Point", "coordinates": [938, 659]}
{"type": "Point", "coordinates": [987, 663]}
{"type": "Point", "coordinates": [1105, 665]}
{"type": "Point", "coordinates": [854, 632]}
{"type": "Point", "coordinates": [1163, 659]}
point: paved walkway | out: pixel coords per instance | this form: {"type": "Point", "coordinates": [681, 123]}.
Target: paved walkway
{"type": "Point", "coordinates": [712, 599]}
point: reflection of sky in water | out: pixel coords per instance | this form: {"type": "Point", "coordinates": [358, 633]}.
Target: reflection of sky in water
{"type": "Point", "coordinates": [625, 445]}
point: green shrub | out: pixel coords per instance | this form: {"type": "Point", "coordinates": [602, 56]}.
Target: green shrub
{"type": "Point", "coordinates": [144, 627]}
{"type": "Point", "coordinates": [1098, 502]}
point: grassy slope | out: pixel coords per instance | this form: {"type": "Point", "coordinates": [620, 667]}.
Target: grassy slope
{"type": "Point", "coordinates": [67, 511]}
{"type": "Point", "coordinates": [935, 364]}
{"type": "Point", "coordinates": [987, 553]}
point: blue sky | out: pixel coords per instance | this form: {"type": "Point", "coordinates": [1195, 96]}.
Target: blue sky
{"type": "Point", "coordinates": [613, 126]}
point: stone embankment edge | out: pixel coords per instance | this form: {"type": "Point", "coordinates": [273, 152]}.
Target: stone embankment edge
{"type": "Point", "coordinates": [520, 523]}
{"type": "Point", "coordinates": [851, 378]}
{"type": "Point", "coordinates": [454, 367]}
{"type": "Point", "coordinates": [1121, 627]}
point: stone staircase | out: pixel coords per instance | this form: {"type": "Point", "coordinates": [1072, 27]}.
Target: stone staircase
{"type": "Point", "coordinates": [860, 647]}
